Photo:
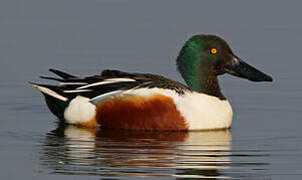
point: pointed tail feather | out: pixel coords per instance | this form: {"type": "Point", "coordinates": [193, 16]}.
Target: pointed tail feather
{"type": "Point", "coordinates": [49, 90]}
{"type": "Point", "coordinates": [62, 74]}
{"type": "Point", "coordinates": [56, 103]}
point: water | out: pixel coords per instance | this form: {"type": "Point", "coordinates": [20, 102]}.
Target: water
{"type": "Point", "coordinates": [85, 37]}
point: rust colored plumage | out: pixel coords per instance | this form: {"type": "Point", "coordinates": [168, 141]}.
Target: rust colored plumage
{"type": "Point", "coordinates": [157, 112]}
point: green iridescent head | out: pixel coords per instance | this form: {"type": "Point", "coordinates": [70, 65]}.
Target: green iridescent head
{"type": "Point", "coordinates": [204, 57]}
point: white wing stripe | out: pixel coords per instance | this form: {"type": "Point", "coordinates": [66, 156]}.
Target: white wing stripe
{"type": "Point", "coordinates": [107, 81]}
{"type": "Point", "coordinates": [72, 83]}
{"type": "Point", "coordinates": [77, 90]}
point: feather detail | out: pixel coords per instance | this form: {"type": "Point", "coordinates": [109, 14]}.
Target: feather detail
{"type": "Point", "coordinates": [107, 81]}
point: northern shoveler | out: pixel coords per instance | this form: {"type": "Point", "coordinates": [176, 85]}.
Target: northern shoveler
{"type": "Point", "coordinates": [138, 101]}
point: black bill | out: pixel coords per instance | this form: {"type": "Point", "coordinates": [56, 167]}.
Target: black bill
{"type": "Point", "coordinates": [241, 69]}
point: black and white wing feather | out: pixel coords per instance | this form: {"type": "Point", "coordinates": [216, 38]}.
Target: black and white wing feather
{"type": "Point", "coordinates": [108, 83]}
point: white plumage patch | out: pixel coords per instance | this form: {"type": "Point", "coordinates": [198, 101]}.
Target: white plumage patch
{"type": "Point", "coordinates": [205, 112]}
{"type": "Point", "coordinates": [79, 110]}
{"type": "Point", "coordinates": [107, 81]}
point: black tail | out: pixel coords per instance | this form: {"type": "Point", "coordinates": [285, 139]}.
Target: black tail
{"type": "Point", "coordinates": [56, 106]}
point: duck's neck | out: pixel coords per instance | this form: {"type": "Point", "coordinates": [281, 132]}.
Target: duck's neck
{"type": "Point", "coordinates": [203, 83]}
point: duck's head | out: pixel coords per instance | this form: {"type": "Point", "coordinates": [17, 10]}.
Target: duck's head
{"type": "Point", "coordinates": [204, 57]}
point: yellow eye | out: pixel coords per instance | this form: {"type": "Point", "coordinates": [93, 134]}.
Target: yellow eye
{"type": "Point", "coordinates": [213, 51]}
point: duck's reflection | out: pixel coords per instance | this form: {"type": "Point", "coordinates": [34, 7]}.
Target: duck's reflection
{"type": "Point", "coordinates": [74, 150]}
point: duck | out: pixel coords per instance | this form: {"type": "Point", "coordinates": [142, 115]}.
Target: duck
{"type": "Point", "coordinates": [116, 99]}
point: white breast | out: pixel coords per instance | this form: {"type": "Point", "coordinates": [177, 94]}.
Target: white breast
{"type": "Point", "coordinates": [205, 112]}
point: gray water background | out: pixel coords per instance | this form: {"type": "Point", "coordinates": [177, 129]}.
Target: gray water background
{"type": "Point", "coordinates": [84, 37]}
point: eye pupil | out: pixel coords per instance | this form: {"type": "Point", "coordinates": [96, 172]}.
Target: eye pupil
{"type": "Point", "coordinates": [213, 51]}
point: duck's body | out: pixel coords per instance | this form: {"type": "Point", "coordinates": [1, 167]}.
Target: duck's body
{"type": "Point", "coordinates": [138, 101]}
{"type": "Point", "coordinates": [135, 101]}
